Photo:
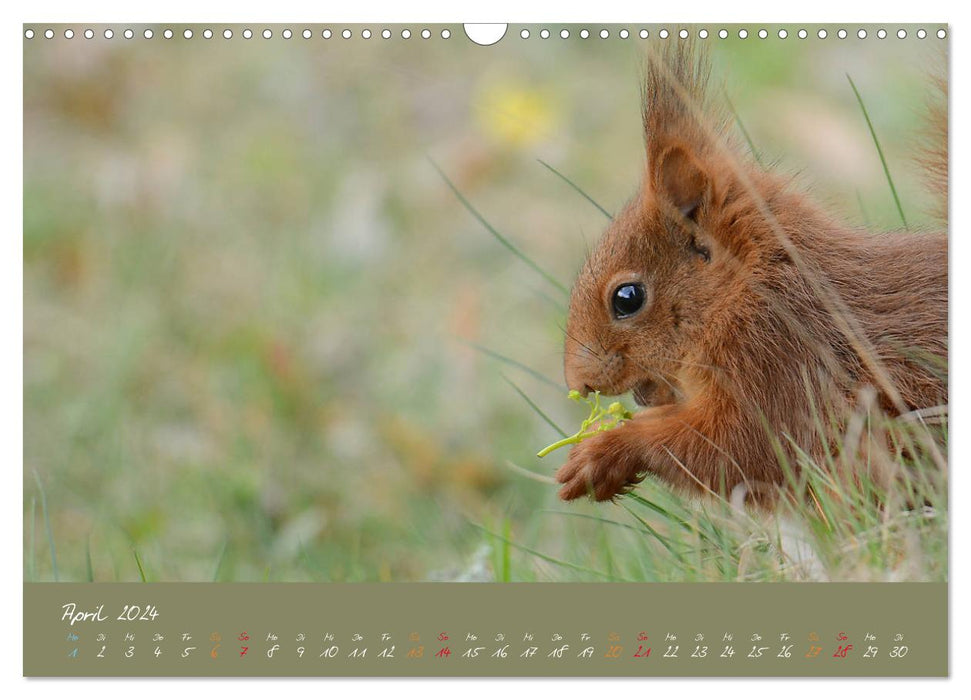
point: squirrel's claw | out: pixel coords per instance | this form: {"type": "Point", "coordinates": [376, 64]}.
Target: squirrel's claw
{"type": "Point", "coordinates": [599, 467]}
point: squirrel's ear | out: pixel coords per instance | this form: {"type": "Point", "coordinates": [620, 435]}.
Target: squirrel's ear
{"type": "Point", "coordinates": [680, 180]}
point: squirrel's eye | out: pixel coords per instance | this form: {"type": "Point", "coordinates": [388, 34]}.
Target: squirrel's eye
{"type": "Point", "coordinates": [628, 300]}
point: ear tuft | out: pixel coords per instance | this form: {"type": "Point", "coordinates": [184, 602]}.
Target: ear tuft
{"type": "Point", "coordinates": [680, 180]}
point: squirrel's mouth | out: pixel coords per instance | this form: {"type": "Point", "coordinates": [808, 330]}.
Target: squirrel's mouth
{"type": "Point", "coordinates": [644, 393]}
{"type": "Point", "coordinates": [652, 393]}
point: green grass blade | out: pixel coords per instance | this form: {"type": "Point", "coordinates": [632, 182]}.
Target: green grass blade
{"type": "Point", "coordinates": [87, 560]}
{"type": "Point", "coordinates": [506, 550]}
{"type": "Point", "coordinates": [498, 236]}
{"type": "Point", "coordinates": [866, 219]}
{"type": "Point", "coordinates": [138, 563]}
{"type": "Point", "coordinates": [745, 134]}
{"type": "Point", "coordinates": [513, 363]}
{"type": "Point", "coordinates": [47, 525]}
{"type": "Point", "coordinates": [548, 558]}
{"type": "Point", "coordinates": [684, 524]}
{"type": "Point", "coordinates": [32, 552]}
{"type": "Point", "coordinates": [304, 557]}
{"type": "Point", "coordinates": [219, 560]}
{"type": "Point", "coordinates": [532, 404]}
{"type": "Point", "coordinates": [722, 549]}
{"type": "Point", "coordinates": [883, 160]}
{"type": "Point", "coordinates": [557, 304]}
{"type": "Point", "coordinates": [655, 534]}
{"type": "Point", "coordinates": [586, 516]}
{"type": "Point", "coordinates": [607, 552]}
{"type": "Point", "coordinates": [576, 187]}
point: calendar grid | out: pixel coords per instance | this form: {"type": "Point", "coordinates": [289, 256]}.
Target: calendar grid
{"type": "Point", "coordinates": [430, 630]}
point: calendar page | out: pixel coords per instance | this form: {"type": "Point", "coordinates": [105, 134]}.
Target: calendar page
{"type": "Point", "coordinates": [520, 350]}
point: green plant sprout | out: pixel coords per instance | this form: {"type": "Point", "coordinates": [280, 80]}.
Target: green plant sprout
{"type": "Point", "coordinates": [602, 418]}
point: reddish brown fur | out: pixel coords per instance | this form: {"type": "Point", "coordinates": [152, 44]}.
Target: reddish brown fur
{"type": "Point", "coordinates": [762, 312]}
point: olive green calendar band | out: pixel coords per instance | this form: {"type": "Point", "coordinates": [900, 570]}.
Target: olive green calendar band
{"type": "Point", "coordinates": [482, 630]}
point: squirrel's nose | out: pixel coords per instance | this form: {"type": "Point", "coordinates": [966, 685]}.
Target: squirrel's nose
{"type": "Point", "coordinates": [575, 381]}
{"type": "Point", "coordinates": [580, 367]}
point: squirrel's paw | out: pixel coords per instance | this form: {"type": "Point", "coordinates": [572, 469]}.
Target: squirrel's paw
{"type": "Point", "coordinates": [600, 467]}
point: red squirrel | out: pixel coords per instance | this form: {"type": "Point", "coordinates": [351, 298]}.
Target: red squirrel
{"type": "Point", "coordinates": [737, 311]}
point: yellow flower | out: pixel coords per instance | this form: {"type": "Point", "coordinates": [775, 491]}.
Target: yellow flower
{"type": "Point", "coordinates": [514, 114]}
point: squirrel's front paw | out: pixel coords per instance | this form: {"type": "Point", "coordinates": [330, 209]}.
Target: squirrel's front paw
{"type": "Point", "coordinates": [601, 466]}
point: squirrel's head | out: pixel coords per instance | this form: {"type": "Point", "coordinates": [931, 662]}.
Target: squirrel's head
{"type": "Point", "coordinates": [646, 300]}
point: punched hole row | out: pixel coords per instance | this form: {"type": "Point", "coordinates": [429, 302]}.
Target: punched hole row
{"type": "Point", "coordinates": [446, 33]}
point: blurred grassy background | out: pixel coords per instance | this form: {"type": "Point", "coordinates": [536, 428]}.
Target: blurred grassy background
{"type": "Point", "coordinates": [247, 289]}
